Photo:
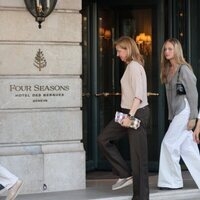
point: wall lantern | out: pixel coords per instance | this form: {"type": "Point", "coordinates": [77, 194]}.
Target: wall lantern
{"type": "Point", "coordinates": [105, 33]}
{"type": "Point", "coordinates": [144, 43]}
{"type": "Point", "coordinates": [40, 9]}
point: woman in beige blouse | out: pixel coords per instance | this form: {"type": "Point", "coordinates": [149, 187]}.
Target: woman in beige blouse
{"type": "Point", "coordinates": [133, 103]}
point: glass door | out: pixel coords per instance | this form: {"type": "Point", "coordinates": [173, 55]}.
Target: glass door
{"type": "Point", "coordinates": [102, 72]}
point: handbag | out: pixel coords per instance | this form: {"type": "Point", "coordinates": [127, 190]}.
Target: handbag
{"type": "Point", "coordinates": [180, 90]}
{"type": "Point", "coordinates": [135, 122]}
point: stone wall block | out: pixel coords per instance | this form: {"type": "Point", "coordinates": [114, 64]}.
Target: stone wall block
{"type": "Point", "coordinates": [40, 126]}
{"type": "Point", "coordinates": [60, 59]}
{"type": "Point", "coordinates": [58, 27]}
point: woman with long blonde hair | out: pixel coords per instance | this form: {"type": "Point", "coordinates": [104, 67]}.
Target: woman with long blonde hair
{"type": "Point", "coordinates": [182, 100]}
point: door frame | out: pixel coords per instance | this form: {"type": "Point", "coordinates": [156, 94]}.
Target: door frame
{"type": "Point", "coordinates": [93, 29]}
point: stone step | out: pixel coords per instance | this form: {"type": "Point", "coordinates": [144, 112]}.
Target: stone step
{"type": "Point", "coordinates": [187, 194]}
{"type": "Point", "coordinates": [184, 194]}
{"type": "Point", "coordinates": [101, 189]}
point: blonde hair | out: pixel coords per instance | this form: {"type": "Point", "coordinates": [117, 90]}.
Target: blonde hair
{"type": "Point", "coordinates": [133, 53]}
{"type": "Point", "coordinates": [178, 57]}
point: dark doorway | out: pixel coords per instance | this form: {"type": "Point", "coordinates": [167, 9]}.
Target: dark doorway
{"type": "Point", "coordinates": [102, 72]}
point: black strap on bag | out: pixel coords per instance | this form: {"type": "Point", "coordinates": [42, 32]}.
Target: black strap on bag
{"type": "Point", "coordinates": [179, 70]}
{"type": "Point", "coordinates": [180, 90]}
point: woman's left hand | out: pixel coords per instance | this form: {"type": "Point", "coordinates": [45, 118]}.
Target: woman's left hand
{"type": "Point", "coordinates": [191, 124]}
{"type": "Point", "coordinates": [126, 122]}
{"type": "Point", "coordinates": [196, 134]}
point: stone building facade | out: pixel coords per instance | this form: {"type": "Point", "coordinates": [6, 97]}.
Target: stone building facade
{"type": "Point", "coordinates": [40, 107]}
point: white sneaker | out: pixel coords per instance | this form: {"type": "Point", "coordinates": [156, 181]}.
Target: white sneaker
{"type": "Point", "coordinates": [122, 182]}
{"type": "Point", "coordinates": [14, 190]}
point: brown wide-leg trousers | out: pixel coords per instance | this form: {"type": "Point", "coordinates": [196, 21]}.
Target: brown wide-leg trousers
{"type": "Point", "coordinates": [138, 152]}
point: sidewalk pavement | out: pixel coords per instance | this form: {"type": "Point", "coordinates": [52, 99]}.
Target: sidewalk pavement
{"type": "Point", "coordinates": [101, 189]}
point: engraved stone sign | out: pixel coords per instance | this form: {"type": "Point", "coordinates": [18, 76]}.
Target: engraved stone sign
{"type": "Point", "coordinates": [39, 92]}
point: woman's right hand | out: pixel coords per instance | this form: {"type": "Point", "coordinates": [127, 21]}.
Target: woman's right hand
{"type": "Point", "coordinates": [126, 122]}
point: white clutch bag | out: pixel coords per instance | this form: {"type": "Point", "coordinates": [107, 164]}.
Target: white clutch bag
{"type": "Point", "coordinates": [119, 116]}
{"type": "Point", "coordinates": [135, 122]}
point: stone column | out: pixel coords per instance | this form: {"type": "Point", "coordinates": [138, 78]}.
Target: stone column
{"type": "Point", "coordinates": [41, 97]}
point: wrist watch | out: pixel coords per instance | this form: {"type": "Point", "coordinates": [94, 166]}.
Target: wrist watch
{"type": "Point", "coordinates": [131, 117]}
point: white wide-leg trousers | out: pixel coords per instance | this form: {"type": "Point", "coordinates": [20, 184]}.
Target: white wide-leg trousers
{"type": "Point", "coordinates": [7, 179]}
{"type": "Point", "coordinates": [178, 142]}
